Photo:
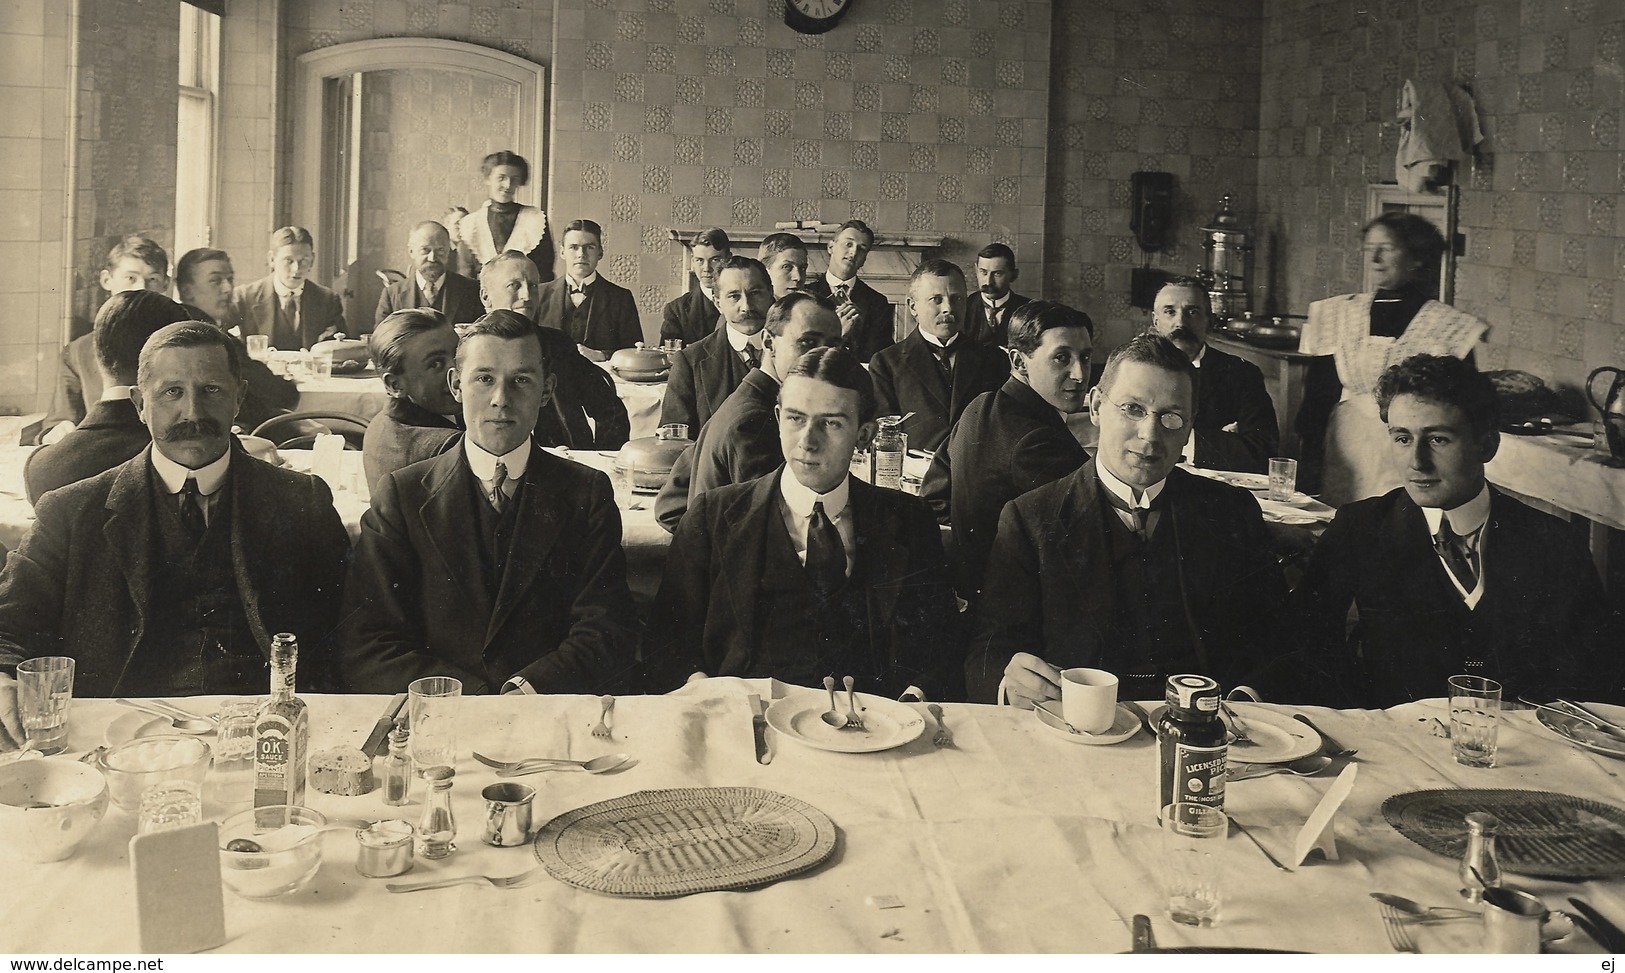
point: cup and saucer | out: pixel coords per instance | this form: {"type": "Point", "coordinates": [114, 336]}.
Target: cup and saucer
{"type": "Point", "coordinates": [1088, 712]}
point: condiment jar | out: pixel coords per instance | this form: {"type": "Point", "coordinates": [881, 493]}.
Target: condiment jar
{"type": "Point", "coordinates": [385, 849]}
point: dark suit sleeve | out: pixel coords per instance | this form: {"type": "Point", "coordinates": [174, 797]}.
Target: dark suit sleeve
{"type": "Point", "coordinates": [382, 643]}
{"type": "Point", "coordinates": [929, 641]}
{"type": "Point", "coordinates": [671, 322]}
{"type": "Point", "coordinates": [1256, 600]}
{"type": "Point", "coordinates": [679, 405]}
{"type": "Point", "coordinates": [313, 578]}
{"type": "Point", "coordinates": [611, 425]}
{"type": "Point", "coordinates": [880, 370]}
{"type": "Point", "coordinates": [1257, 436]}
{"type": "Point", "coordinates": [1043, 457]}
{"type": "Point", "coordinates": [68, 405]}
{"type": "Point", "coordinates": [1010, 616]}
{"type": "Point", "coordinates": [32, 598]}
{"type": "Point", "coordinates": [268, 394]}
{"type": "Point", "coordinates": [386, 305]}
{"type": "Point", "coordinates": [626, 329]}
{"type": "Point", "coordinates": [939, 480]}
{"type": "Point", "coordinates": [674, 646]}
{"type": "Point", "coordinates": [1322, 668]}
{"type": "Point", "coordinates": [331, 322]}
{"type": "Point", "coordinates": [672, 501]}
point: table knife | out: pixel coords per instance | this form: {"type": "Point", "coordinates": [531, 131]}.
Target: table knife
{"type": "Point", "coordinates": [1612, 938]}
{"type": "Point", "coordinates": [1145, 718]}
{"type": "Point", "coordinates": [758, 728]}
{"type": "Point", "coordinates": [1602, 722]}
{"type": "Point", "coordinates": [378, 740]}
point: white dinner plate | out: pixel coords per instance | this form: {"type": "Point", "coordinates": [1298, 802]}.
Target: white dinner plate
{"type": "Point", "coordinates": [1125, 725]}
{"type": "Point", "coordinates": [887, 723]}
{"type": "Point", "coordinates": [1583, 735]}
{"type": "Point", "coordinates": [1293, 520]}
{"type": "Point", "coordinates": [1258, 484]}
{"type": "Point", "coordinates": [1277, 738]}
{"type": "Point", "coordinates": [132, 724]}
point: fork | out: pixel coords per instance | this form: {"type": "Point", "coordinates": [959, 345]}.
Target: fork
{"type": "Point", "coordinates": [1236, 725]}
{"type": "Point", "coordinates": [602, 729]}
{"type": "Point", "coordinates": [499, 765]}
{"type": "Point", "coordinates": [1399, 934]}
{"type": "Point", "coordinates": [945, 736]}
{"type": "Point", "coordinates": [853, 720]}
{"type": "Point", "coordinates": [505, 882]}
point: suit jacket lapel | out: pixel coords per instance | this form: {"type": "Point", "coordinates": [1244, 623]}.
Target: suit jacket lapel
{"type": "Point", "coordinates": [245, 536]}
{"type": "Point", "coordinates": [926, 369]}
{"type": "Point", "coordinates": [1417, 569]}
{"type": "Point", "coordinates": [536, 529]}
{"type": "Point", "coordinates": [744, 549]}
{"type": "Point", "coordinates": [129, 540]}
{"type": "Point", "coordinates": [1082, 519]}
{"type": "Point", "coordinates": [879, 556]}
{"type": "Point", "coordinates": [444, 519]}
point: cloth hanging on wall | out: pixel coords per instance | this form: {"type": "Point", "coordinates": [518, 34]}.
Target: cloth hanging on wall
{"type": "Point", "coordinates": [1438, 125]}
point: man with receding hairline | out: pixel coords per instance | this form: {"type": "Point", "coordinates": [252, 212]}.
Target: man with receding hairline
{"type": "Point", "coordinates": [431, 282]}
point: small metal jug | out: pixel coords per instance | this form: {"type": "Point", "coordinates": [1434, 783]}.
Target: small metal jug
{"type": "Point", "coordinates": [1612, 407]}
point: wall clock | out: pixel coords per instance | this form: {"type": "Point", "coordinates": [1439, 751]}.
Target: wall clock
{"type": "Point", "coordinates": [815, 16]}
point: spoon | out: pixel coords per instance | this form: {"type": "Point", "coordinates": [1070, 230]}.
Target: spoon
{"type": "Point", "coordinates": [597, 765]}
{"type": "Point", "coordinates": [830, 717]}
{"type": "Point", "coordinates": [189, 724]}
{"type": "Point", "coordinates": [1303, 767]}
{"type": "Point", "coordinates": [1414, 908]}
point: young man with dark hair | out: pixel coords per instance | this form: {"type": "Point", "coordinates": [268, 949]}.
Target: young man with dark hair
{"type": "Point", "coordinates": [496, 563]}
{"type": "Point", "coordinates": [600, 316]}
{"type": "Point", "coordinates": [1129, 564]}
{"type": "Point", "coordinates": [867, 323]}
{"type": "Point", "coordinates": [706, 372]}
{"type": "Point", "coordinates": [987, 319]}
{"type": "Point", "coordinates": [694, 315]}
{"type": "Point", "coordinates": [1015, 439]}
{"type": "Point", "coordinates": [413, 350]}
{"type": "Point", "coordinates": [431, 283]}
{"type": "Point", "coordinates": [935, 372]}
{"type": "Point", "coordinates": [807, 571]}
{"type": "Point", "coordinates": [293, 311]}
{"type": "Point", "coordinates": [1447, 574]}
{"type": "Point", "coordinates": [204, 278]}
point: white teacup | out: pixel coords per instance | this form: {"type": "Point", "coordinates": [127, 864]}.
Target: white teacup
{"type": "Point", "coordinates": [1089, 699]}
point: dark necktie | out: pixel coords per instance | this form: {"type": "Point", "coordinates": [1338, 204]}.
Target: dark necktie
{"type": "Point", "coordinates": [992, 320]}
{"type": "Point", "coordinates": [840, 293]}
{"type": "Point", "coordinates": [191, 508]}
{"type": "Point", "coordinates": [290, 339]}
{"type": "Point", "coordinates": [945, 362]}
{"type": "Point", "coordinates": [753, 357]}
{"type": "Point", "coordinates": [1138, 513]}
{"type": "Point", "coordinates": [498, 498]}
{"type": "Point", "coordinates": [826, 555]}
{"type": "Point", "coordinates": [1453, 550]}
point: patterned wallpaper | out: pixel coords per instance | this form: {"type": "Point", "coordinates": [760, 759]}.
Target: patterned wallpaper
{"type": "Point", "coordinates": [914, 115]}
{"type": "Point", "coordinates": [1540, 210]}
{"type": "Point", "coordinates": [1155, 85]}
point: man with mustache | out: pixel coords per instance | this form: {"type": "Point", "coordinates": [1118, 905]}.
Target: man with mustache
{"type": "Point", "coordinates": [169, 574]}
{"type": "Point", "coordinates": [936, 371]}
{"type": "Point", "coordinates": [496, 562]}
{"type": "Point", "coordinates": [599, 315]}
{"type": "Point", "coordinates": [431, 282]}
{"type": "Point", "coordinates": [1235, 419]}
{"type": "Point", "coordinates": [867, 323]}
{"type": "Point", "coordinates": [987, 319]}
{"type": "Point", "coordinates": [1129, 564]}
{"type": "Point", "coordinates": [706, 372]}
{"type": "Point", "coordinates": [694, 315]}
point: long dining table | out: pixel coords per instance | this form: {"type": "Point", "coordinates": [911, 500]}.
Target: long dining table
{"type": "Point", "coordinates": [1011, 839]}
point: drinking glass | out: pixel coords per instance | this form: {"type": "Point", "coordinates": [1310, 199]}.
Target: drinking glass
{"type": "Point", "coordinates": [44, 690]}
{"type": "Point", "coordinates": [1475, 717]}
{"type": "Point", "coordinates": [1283, 478]}
{"type": "Point", "coordinates": [1192, 846]}
{"type": "Point", "coordinates": [432, 710]}
{"type": "Point", "coordinates": [259, 345]}
{"type": "Point", "coordinates": [231, 780]}
{"type": "Point", "coordinates": [169, 804]}
{"type": "Point", "coordinates": [321, 365]}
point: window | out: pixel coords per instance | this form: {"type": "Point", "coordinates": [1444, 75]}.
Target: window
{"type": "Point", "coordinates": [195, 132]}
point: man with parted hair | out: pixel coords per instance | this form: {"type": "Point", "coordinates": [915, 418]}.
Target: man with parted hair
{"type": "Point", "coordinates": [600, 316]}
{"type": "Point", "coordinates": [205, 280]}
{"type": "Point", "coordinates": [413, 351]}
{"type": "Point", "coordinates": [935, 372]}
{"type": "Point", "coordinates": [785, 257]}
{"type": "Point", "coordinates": [431, 282]}
{"type": "Point", "coordinates": [292, 310]}
{"type": "Point", "coordinates": [1129, 564]}
{"type": "Point", "coordinates": [169, 574]}
{"type": "Point", "coordinates": [694, 315]}
{"type": "Point", "coordinates": [496, 562]}
{"type": "Point", "coordinates": [741, 442]}
{"type": "Point", "coordinates": [807, 571]}
{"type": "Point", "coordinates": [987, 318]}
{"type": "Point", "coordinates": [1446, 574]}
{"type": "Point", "coordinates": [1235, 418]}
{"type": "Point", "coordinates": [866, 316]}
{"type": "Point", "coordinates": [706, 372]}
{"type": "Point", "coordinates": [1015, 439]}
{"type": "Point", "coordinates": [584, 411]}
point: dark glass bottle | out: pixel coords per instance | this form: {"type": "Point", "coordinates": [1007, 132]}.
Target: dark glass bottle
{"type": "Point", "coordinates": [1192, 744]}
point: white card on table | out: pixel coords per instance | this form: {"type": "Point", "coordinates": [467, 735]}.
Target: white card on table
{"type": "Point", "coordinates": [1318, 831]}
{"type": "Point", "coordinates": [179, 904]}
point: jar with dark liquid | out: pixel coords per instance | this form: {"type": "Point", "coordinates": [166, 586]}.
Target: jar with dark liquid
{"type": "Point", "coordinates": [1192, 744]}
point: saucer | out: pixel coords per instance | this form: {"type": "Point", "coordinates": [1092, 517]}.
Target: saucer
{"type": "Point", "coordinates": [1125, 725]}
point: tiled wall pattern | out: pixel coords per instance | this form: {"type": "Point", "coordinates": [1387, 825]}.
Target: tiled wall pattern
{"type": "Point", "coordinates": [914, 115]}
{"type": "Point", "coordinates": [421, 154]}
{"type": "Point", "coordinates": [1540, 210]}
{"type": "Point", "coordinates": [1156, 85]}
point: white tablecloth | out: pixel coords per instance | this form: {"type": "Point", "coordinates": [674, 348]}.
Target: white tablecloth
{"type": "Point", "coordinates": [1555, 471]}
{"type": "Point", "coordinates": [1011, 841]}
{"type": "Point", "coordinates": [359, 395]}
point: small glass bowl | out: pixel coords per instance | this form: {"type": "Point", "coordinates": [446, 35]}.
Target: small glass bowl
{"type": "Point", "coordinates": [287, 861]}
{"type": "Point", "coordinates": [133, 766]}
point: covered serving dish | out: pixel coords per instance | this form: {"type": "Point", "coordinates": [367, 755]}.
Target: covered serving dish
{"type": "Point", "coordinates": [640, 363]}
{"type": "Point", "coordinates": [649, 460]}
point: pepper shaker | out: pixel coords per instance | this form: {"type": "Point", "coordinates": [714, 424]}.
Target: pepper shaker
{"type": "Point", "coordinates": [1479, 868]}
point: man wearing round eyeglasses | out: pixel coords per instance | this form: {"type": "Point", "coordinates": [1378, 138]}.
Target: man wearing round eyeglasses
{"type": "Point", "coordinates": [1128, 565]}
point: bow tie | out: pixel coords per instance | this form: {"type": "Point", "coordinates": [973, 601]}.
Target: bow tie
{"type": "Point", "coordinates": [578, 288]}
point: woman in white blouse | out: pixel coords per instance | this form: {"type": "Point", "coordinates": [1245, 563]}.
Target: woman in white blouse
{"type": "Point", "coordinates": [500, 223]}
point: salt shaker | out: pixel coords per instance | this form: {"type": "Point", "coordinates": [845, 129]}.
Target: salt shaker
{"type": "Point", "coordinates": [1479, 868]}
{"type": "Point", "coordinates": [437, 827]}
{"type": "Point", "coordinates": [397, 768]}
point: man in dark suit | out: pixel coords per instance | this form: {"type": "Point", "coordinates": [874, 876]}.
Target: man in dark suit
{"type": "Point", "coordinates": [741, 442]}
{"type": "Point", "coordinates": [1447, 575]}
{"type": "Point", "coordinates": [599, 315]}
{"type": "Point", "coordinates": [987, 319]}
{"type": "Point", "coordinates": [205, 280]}
{"type": "Point", "coordinates": [413, 351]}
{"type": "Point", "coordinates": [496, 563]}
{"type": "Point", "coordinates": [584, 411]}
{"type": "Point", "coordinates": [1130, 564]}
{"type": "Point", "coordinates": [1235, 419]}
{"type": "Point", "coordinates": [785, 257]}
{"type": "Point", "coordinates": [431, 282]}
{"type": "Point", "coordinates": [1016, 439]}
{"type": "Point", "coordinates": [694, 315]}
{"type": "Point", "coordinates": [936, 371]}
{"type": "Point", "coordinates": [706, 372]}
{"type": "Point", "coordinates": [867, 323]}
{"type": "Point", "coordinates": [169, 574]}
{"type": "Point", "coordinates": [135, 263]}
{"type": "Point", "coordinates": [112, 431]}
{"type": "Point", "coordinates": [807, 572]}
{"type": "Point", "coordinates": [293, 311]}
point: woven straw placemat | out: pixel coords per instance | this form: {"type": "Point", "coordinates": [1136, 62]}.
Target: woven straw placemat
{"type": "Point", "coordinates": [665, 843]}
{"type": "Point", "coordinates": [1542, 834]}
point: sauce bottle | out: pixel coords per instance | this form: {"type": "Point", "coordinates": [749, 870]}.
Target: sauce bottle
{"type": "Point", "coordinates": [1192, 745]}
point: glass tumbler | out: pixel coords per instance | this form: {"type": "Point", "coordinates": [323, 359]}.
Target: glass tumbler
{"type": "Point", "coordinates": [432, 709]}
{"type": "Point", "coordinates": [231, 781]}
{"type": "Point", "coordinates": [1475, 718]}
{"type": "Point", "coordinates": [1192, 844]}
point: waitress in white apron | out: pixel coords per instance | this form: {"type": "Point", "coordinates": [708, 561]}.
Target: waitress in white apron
{"type": "Point", "coordinates": [501, 223]}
